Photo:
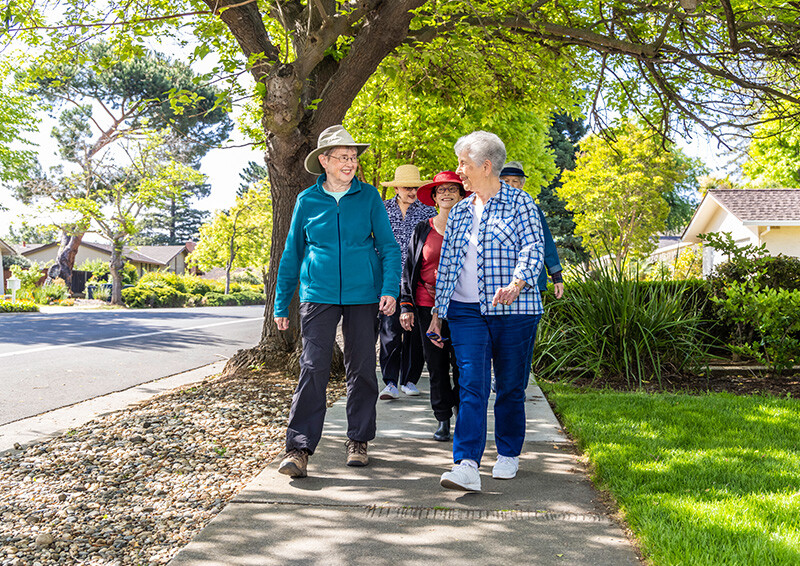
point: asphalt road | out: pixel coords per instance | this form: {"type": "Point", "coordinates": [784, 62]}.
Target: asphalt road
{"type": "Point", "coordinates": [48, 361]}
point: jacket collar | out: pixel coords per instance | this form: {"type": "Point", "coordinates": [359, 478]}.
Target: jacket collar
{"type": "Point", "coordinates": [355, 184]}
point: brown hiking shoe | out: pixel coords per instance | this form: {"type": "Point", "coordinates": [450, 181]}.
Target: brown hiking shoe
{"type": "Point", "coordinates": [356, 453]}
{"type": "Point", "coordinates": [294, 464]}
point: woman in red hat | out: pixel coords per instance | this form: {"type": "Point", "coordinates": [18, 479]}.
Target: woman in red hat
{"type": "Point", "coordinates": [417, 292]}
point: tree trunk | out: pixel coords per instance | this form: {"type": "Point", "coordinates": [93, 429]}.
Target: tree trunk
{"type": "Point", "coordinates": [293, 124]}
{"type": "Point", "coordinates": [115, 267]}
{"type": "Point", "coordinates": [65, 260]}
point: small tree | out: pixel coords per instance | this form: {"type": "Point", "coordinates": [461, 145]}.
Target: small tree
{"type": "Point", "coordinates": [152, 177]}
{"type": "Point", "coordinates": [240, 237]}
{"type": "Point", "coordinates": [619, 191]}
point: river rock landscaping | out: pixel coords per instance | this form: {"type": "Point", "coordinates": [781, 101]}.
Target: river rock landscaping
{"type": "Point", "coordinates": [133, 487]}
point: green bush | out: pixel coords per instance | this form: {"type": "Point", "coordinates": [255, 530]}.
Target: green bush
{"type": "Point", "coordinates": [18, 306]}
{"type": "Point", "coordinates": [164, 279]}
{"type": "Point", "coordinates": [775, 316]}
{"type": "Point", "coordinates": [214, 299]}
{"type": "Point", "coordinates": [18, 260]}
{"type": "Point", "coordinates": [612, 326]}
{"type": "Point", "coordinates": [198, 286]}
{"type": "Point", "coordinates": [152, 295]}
{"type": "Point", "coordinates": [99, 269]}
{"type": "Point", "coordinates": [29, 277]}
{"type": "Point", "coordinates": [101, 292]}
{"type": "Point", "coordinates": [249, 297]}
{"type": "Point", "coordinates": [247, 277]}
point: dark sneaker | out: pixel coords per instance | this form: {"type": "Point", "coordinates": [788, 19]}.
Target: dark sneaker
{"type": "Point", "coordinates": [356, 453]}
{"type": "Point", "coordinates": [294, 464]}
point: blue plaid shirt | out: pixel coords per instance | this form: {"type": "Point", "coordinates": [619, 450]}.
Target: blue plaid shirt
{"type": "Point", "coordinates": [510, 245]}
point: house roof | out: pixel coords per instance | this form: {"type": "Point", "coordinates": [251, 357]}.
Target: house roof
{"type": "Point", "coordinates": [7, 249]}
{"type": "Point", "coordinates": [752, 207]}
{"type": "Point", "coordinates": [153, 255]}
{"type": "Point", "coordinates": [760, 206]}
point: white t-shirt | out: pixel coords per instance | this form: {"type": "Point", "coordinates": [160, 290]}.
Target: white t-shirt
{"type": "Point", "coordinates": [466, 290]}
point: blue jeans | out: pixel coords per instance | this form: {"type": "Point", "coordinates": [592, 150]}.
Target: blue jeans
{"type": "Point", "coordinates": [480, 341]}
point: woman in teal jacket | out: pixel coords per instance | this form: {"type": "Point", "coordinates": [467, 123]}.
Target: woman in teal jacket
{"type": "Point", "coordinates": [341, 250]}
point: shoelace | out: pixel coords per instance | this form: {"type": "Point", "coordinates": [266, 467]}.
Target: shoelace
{"type": "Point", "coordinates": [360, 447]}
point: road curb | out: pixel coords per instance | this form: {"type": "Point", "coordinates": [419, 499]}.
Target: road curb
{"type": "Point", "coordinates": [34, 429]}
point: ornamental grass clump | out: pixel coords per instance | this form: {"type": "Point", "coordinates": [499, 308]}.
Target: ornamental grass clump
{"type": "Point", "coordinates": [610, 326]}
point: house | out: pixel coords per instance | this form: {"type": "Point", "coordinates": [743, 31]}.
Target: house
{"type": "Point", "coordinates": [751, 216]}
{"type": "Point", "coordinates": [5, 249]}
{"type": "Point", "coordinates": [144, 258]}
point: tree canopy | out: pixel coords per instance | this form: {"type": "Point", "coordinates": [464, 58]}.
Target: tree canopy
{"type": "Point", "coordinates": [671, 64]}
{"type": "Point", "coordinates": [621, 192]}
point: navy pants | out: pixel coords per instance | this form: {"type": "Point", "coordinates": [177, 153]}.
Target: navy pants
{"type": "Point", "coordinates": [318, 324]}
{"type": "Point", "coordinates": [401, 351]}
{"type": "Point", "coordinates": [480, 342]}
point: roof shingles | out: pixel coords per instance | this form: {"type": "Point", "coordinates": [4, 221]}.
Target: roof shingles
{"type": "Point", "coordinates": [760, 205]}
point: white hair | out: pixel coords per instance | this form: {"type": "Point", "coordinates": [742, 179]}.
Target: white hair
{"type": "Point", "coordinates": [483, 146]}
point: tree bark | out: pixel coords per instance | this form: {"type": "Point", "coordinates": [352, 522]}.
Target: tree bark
{"type": "Point", "coordinates": [65, 259]}
{"type": "Point", "coordinates": [292, 126]}
{"type": "Point", "coordinates": [115, 267]}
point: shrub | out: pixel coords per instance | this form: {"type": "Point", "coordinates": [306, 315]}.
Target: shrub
{"type": "Point", "coordinates": [197, 286]}
{"type": "Point", "coordinates": [249, 297]}
{"type": "Point", "coordinates": [18, 306]}
{"type": "Point", "coordinates": [247, 277]}
{"type": "Point", "coordinates": [98, 267]}
{"type": "Point", "coordinates": [29, 277]}
{"type": "Point", "coordinates": [51, 292]}
{"type": "Point", "coordinates": [214, 299]}
{"type": "Point", "coordinates": [775, 316]}
{"type": "Point", "coordinates": [163, 279]}
{"type": "Point", "coordinates": [18, 260]}
{"type": "Point", "coordinates": [149, 296]}
{"type": "Point", "coordinates": [613, 326]}
{"type": "Point", "coordinates": [101, 292]}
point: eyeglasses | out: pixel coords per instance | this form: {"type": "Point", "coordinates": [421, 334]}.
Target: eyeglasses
{"type": "Point", "coordinates": [442, 189]}
{"type": "Point", "coordinates": [345, 158]}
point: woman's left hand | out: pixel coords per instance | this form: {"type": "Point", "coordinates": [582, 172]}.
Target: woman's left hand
{"type": "Point", "coordinates": [387, 305]}
{"type": "Point", "coordinates": [506, 295]}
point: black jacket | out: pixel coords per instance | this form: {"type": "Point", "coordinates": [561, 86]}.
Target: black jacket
{"type": "Point", "coordinates": [413, 265]}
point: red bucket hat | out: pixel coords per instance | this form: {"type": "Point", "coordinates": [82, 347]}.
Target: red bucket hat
{"type": "Point", "coordinates": [425, 192]}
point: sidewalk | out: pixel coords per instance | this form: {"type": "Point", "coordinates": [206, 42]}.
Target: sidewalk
{"type": "Point", "coordinates": [394, 511]}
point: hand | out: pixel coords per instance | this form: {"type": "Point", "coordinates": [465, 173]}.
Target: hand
{"type": "Point", "coordinates": [506, 295]}
{"type": "Point", "coordinates": [407, 320]}
{"type": "Point", "coordinates": [282, 322]}
{"type": "Point", "coordinates": [435, 327]}
{"type": "Point", "coordinates": [387, 305]}
{"type": "Point", "coordinates": [559, 290]}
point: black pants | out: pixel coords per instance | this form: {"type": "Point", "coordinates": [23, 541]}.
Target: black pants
{"type": "Point", "coordinates": [318, 324]}
{"type": "Point", "coordinates": [441, 361]}
{"type": "Point", "coordinates": [401, 351]}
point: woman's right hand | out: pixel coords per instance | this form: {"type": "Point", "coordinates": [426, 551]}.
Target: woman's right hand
{"type": "Point", "coordinates": [282, 322]}
{"type": "Point", "coordinates": [435, 327]}
{"type": "Point", "coordinates": [407, 320]}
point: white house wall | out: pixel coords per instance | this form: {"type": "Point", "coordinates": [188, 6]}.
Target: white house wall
{"type": "Point", "coordinates": [723, 221]}
{"type": "Point", "coordinates": [782, 240]}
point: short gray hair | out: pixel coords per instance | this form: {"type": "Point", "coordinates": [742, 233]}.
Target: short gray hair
{"type": "Point", "coordinates": [482, 146]}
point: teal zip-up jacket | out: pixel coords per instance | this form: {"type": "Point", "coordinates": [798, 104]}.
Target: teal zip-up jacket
{"type": "Point", "coordinates": [342, 254]}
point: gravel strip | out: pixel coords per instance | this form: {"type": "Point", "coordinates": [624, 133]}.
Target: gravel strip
{"type": "Point", "coordinates": [135, 486]}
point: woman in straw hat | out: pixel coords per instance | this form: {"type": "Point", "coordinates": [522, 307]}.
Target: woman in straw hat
{"type": "Point", "coordinates": [341, 250]}
{"type": "Point", "coordinates": [418, 290]}
{"type": "Point", "coordinates": [401, 350]}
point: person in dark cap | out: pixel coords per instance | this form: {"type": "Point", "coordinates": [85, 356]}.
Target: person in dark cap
{"type": "Point", "coordinates": [514, 175]}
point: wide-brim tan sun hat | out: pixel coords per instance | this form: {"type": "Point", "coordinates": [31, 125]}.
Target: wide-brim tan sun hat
{"type": "Point", "coordinates": [405, 176]}
{"type": "Point", "coordinates": [335, 136]}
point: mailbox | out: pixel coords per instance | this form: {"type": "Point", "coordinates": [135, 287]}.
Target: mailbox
{"type": "Point", "coordinates": [13, 283]}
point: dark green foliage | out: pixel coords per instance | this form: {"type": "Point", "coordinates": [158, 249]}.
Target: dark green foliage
{"type": "Point", "coordinates": [251, 174]}
{"type": "Point", "coordinates": [160, 289]}
{"type": "Point", "coordinates": [249, 297]}
{"type": "Point", "coordinates": [214, 299]}
{"type": "Point", "coordinates": [21, 261]}
{"type": "Point", "coordinates": [565, 133]}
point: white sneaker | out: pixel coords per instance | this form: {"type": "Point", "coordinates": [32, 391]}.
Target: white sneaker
{"type": "Point", "coordinates": [410, 389]}
{"type": "Point", "coordinates": [506, 467]}
{"type": "Point", "coordinates": [463, 477]}
{"type": "Point", "coordinates": [390, 392]}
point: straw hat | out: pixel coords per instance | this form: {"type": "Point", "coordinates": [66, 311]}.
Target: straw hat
{"type": "Point", "coordinates": [425, 192]}
{"type": "Point", "coordinates": [405, 176]}
{"type": "Point", "coordinates": [335, 136]}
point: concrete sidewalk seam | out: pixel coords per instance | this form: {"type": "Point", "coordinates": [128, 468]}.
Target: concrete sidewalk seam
{"type": "Point", "coordinates": [443, 514]}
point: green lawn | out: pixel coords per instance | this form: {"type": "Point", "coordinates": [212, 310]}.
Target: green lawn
{"type": "Point", "coordinates": [712, 479]}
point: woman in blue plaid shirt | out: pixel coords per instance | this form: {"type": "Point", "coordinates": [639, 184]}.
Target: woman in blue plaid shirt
{"type": "Point", "coordinates": [486, 289]}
